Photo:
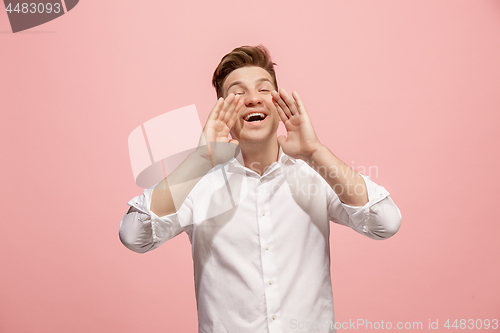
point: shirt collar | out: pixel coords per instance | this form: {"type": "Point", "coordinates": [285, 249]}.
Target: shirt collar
{"type": "Point", "coordinates": [282, 157]}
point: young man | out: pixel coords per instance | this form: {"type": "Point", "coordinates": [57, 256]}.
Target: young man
{"type": "Point", "coordinates": [258, 216]}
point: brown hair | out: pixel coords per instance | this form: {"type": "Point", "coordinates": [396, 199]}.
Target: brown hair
{"type": "Point", "coordinates": [242, 57]}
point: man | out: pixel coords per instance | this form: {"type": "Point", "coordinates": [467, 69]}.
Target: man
{"type": "Point", "coordinates": [258, 216]}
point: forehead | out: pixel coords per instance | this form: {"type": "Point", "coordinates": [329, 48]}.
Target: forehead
{"type": "Point", "coordinates": [247, 76]}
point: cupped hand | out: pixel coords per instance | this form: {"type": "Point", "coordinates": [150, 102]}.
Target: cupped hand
{"type": "Point", "coordinates": [214, 142]}
{"type": "Point", "coordinates": [301, 140]}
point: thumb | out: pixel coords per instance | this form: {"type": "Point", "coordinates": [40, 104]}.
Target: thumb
{"type": "Point", "coordinates": [281, 140]}
{"type": "Point", "coordinates": [236, 142]}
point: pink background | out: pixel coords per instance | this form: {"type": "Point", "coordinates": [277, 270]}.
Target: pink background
{"type": "Point", "coordinates": [409, 87]}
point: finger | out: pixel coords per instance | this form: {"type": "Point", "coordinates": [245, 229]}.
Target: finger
{"type": "Point", "coordinates": [230, 109]}
{"type": "Point", "coordinates": [234, 114]}
{"type": "Point", "coordinates": [290, 102]}
{"type": "Point", "coordinates": [282, 114]}
{"type": "Point", "coordinates": [281, 104]}
{"type": "Point", "coordinates": [302, 108]}
{"type": "Point", "coordinates": [227, 103]}
{"type": "Point", "coordinates": [222, 112]}
{"type": "Point", "coordinates": [233, 110]}
{"type": "Point", "coordinates": [214, 114]}
{"type": "Point", "coordinates": [272, 105]}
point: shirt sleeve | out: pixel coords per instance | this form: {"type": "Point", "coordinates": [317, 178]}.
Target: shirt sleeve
{"type": "Point", "coordinates": [379, 218]}
{"type": "Point", "coordinates": [141, 230]}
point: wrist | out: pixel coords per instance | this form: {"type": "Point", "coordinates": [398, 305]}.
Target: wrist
{"type": "Point", "coordinates": [217, 152]}
{"type": "Point", "coordinates": [316, 152]}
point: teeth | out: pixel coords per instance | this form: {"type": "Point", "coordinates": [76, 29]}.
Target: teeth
{"type": "Point", "coordinates": [255, 114]}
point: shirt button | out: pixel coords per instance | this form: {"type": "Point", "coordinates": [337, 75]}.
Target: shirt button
{"type": "Point", "coordinates": [263, 213]}
{"type": "Point", "coordinates": [262, 179]}
{"type": "Point", "coordinates": [270, 282]}
{"type": "Point", "coordinates": [274, 317]}
{"type": "Point", "coordinates": [267, 247]}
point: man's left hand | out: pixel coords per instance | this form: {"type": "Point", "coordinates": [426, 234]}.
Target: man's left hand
{"type": "Point", "coordinates": [301, 140]}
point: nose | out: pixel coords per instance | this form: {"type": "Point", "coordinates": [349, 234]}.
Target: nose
{"type": "Point", "coordinates": [253, 98]}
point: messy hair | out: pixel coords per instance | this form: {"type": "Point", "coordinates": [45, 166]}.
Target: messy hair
{"type": "Point", "coordinates": [243, 56]}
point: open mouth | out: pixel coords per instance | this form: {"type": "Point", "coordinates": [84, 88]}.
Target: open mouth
{"type": "Point", "coordinates": [255, 117]}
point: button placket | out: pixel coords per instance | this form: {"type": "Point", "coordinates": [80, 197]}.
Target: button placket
{"type": "Point", "coordinates": [270, 284]}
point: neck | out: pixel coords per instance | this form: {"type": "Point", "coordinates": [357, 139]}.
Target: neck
{"type": "Point", "coordinates": [259, 156]}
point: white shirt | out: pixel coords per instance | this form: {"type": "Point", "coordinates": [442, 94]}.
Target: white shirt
{"type": "Point", "coordinates": [260, 244]}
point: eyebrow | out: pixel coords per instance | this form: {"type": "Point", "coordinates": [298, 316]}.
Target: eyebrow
{"type": "Point", "coordinates": [263, 79]}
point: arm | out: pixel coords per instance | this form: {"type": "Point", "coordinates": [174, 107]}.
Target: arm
{"type": "Point", "coordinates": [302, 142]}
{"type": "Point", "coordinates": [171, 192]}
{"type": "Point", "coordinates": [165, 210]}
{"type": "Point", "coordinates": [364, 206]}
{"type": "Point", "coordinates": [378, 219]}
{"type": "Point", "coordinates": [345, 181]}
{"type": "Point", "coordinates": [142, 230]}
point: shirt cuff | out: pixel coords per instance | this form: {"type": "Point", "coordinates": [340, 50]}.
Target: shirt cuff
{"type": "Point", "coordinates": [143, 203]}
{"type": "Point", "coordinates": [376, 193]}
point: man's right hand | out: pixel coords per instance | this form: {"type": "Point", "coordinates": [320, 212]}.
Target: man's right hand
{"type": "Point", "coordinates": [214, 144]}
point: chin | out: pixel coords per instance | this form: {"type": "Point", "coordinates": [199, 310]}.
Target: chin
{"type": "Point", "coordinates": [262, 135]}
{"type": "Point", "coordinates": [258, 138]}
